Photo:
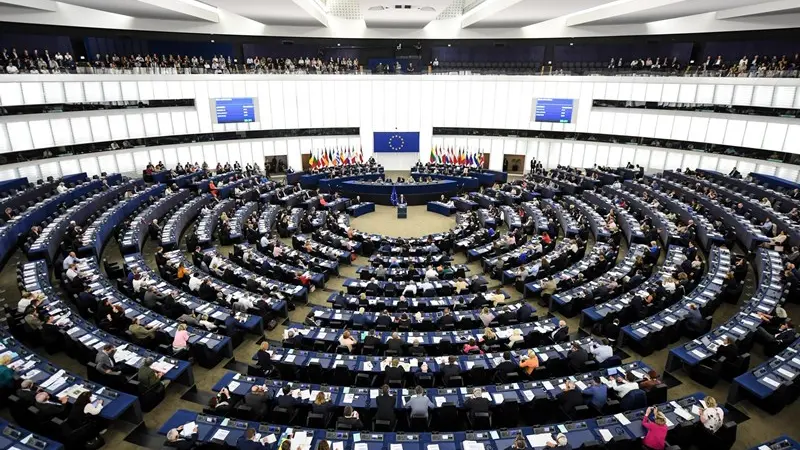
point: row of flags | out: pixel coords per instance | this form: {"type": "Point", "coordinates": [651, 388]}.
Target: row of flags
{"type": "Point", "coordinates": [335, 157]}
{"type": "Point", "coordinates": [456, 156]}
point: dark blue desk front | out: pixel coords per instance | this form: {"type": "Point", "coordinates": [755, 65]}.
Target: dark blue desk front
{"type": "Point", "coordinates": [779, 443]}
{"type": "Point", "coordinates": [416, 193]}
{"type": "Point", "coordinates": [16, 183]}
{"type": "Point", "coordinates": [328, 184]}
{"type": "Point", "coordinates": [764, 380]}
{"type": "Point", "coordinates": [470, 183]}
{"type": "Point", "coordinates": [15, 437]}
{"type": "Point", "coordinates": [773, 181]}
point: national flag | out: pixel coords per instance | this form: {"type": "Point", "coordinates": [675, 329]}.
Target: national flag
{"type": "Point", "coordinates": [470, 161]}
{"type": "Point", "coordinates": [452, 157]}
{"type": "Point", "coordinates": [433, 154]}
{"type": "Point", "coordinates": [481, 161]}
{"type": "Point", "coordinates": [312, 162]}
{"type": "Point", "coordinates": [393, 197]}
{"type": "Point", "coordinates": [361, 156]}
{"type": "Point", "coordinates": [461, 156]}
{"type": "Point", "coordinates": [323, 160]}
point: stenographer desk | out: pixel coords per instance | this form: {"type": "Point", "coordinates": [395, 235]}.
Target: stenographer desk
{"type": "Point", "coordinates": [330, 184]}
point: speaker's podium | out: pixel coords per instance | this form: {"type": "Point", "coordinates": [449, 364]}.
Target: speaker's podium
{"type": "Point", "coordinates": [402, 210]}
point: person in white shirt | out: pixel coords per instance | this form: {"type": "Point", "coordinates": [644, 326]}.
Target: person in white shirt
{"type": "Point", "coordinates": [264, 241]}
{"type": "Point", "coordinates": [431, 274]}
{"type": "Point", "coordinates": [411, 288]}
{"type": "Point", "coordinates": [25, 301]}
{"type": "Point", "coordinates": [602, 351]}
{"type": "Point", "coordinates": [205, 323]}
{"type": "Point", "coordinates": [624, 385]}
{"type": "Point", "coordinates": [61, 188]}
{"type": "Point", "coordinates": [139, 281]}
{"type": "Point", "coordinates": [427, 285]}
{"type": "Point", "coordinates": [194, 283]}
{"type": "Point", "coordinates": [216, 262]}
{"type": "Point", "coordinates": [712, 417]}
{"type": "Point", "coordinates": [72, 272]}
{"type": "Point", "coordinates": [70, 260]}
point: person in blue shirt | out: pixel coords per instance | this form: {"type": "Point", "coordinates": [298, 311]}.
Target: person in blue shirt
{"type": "Point", "coordinates": [359, 319]}
{"type": "Point", "coordinates": [597, 394]}
{"type": "Point", "coordinates": [523, 257]}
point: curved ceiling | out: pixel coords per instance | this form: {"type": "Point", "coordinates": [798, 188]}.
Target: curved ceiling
{"type": "Point", "coordinates": [411, 19]}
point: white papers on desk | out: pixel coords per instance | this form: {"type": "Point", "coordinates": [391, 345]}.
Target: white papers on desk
{"type": "Point", "coordinates": [786, 373]}
{"type": "Point", "coordinates": [367, 366]}
{"type": "Point", "coordinates": [348, 398]}
{"type": "Point", "coordinates": [188, 429]}
{"type": "Point", "coordinates": [221, 434]}
{"type": "Point", "coordinates": [539, 440]}
{"type": "Point", "coordinates": [498, 397]}
{"type": "Point", "coordinates": [440, 401]}
{"type": "Point", "coordinates": [431, 447]}
{"type": "Point", "coordinates": [543, 357]}
{"type": "Point", "coordinates": [581, 385]}
{"type": "Point", "coordinates": [470, 364]}
{"type": "Point", "coordinates": [547, 385]}
{"type": "Point", "coordinates": [395, 446]}
{"type": "Point", "coordinates": [528, 394]}
{"type": "Point", "coordinates": [770, 382]}
{"type": "Point", "coordinates": [695, 410]}
{"type": "Point", "coordinates": [683, 413]}
{"type": "Point", "coordinates": [322, 335]}
{"type": "Point", "coordinates": [233, 385]}
{"type": "Point", "coordinates": [271, 439]}
{"type": "Point", "coordinates": [471, 445]}
{"type": "Point", "coordinates": [607, 436]}
{"type": "Point", "coordinates": [290, 358]}
{"type": "Point", "coordinates": [698, 354]}
{"type": "Point", "coordinates": [622, 419]}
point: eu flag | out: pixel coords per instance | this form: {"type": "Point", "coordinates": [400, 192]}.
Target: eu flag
{"type": "Point", "coordinates": [396, 141]}
{"type": "Point", "coordinates": [393, 198]}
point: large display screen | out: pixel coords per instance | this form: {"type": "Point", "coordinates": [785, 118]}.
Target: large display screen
{"type": "Point", "coordinates": [235, 110]}
{"type": "Point", "coordinates": [554, 110]}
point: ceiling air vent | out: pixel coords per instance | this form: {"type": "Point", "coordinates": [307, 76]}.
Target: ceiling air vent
{"type": "Point", "coordinates": [377, 8]}
{"type": "Point", "coordinates": [428, 9]}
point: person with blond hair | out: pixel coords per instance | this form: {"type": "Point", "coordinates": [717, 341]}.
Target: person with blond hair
{"type": "Point", "coordinates": [656, 436]}
{"type": "Point", "coordinates": [712, 416]}
{"type": "Point", "coordinates": [181, 340]}
{"type": "Point", "coordinates": [529, 362]}
{"type": "Point", "coordinates": [347, 340]}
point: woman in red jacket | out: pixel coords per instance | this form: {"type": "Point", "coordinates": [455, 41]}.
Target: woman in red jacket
{"type": "Point", "coordinates": [656, 437]}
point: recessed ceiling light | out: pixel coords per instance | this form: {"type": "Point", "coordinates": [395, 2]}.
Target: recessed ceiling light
{"type": "Point", "coordinates": [449, 45]}
{"type": "Point", "coordinates": [571, 44]}
{"type": "Point", "coordinates": [338, 45]}
{"type": "Point", "coordinates": [212, 41]}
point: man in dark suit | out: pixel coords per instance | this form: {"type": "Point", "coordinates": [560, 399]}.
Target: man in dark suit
{"type": "Point", "coordinates": [384, 319]}
{"type": "Point", "coordinates": [87, 303]}
{"type": "Point", "coordinates": [394, 343]}
{"type": "Point", "coordinates": [258, 401]}
{"type": "Point", "coordinates": [359, 319]}
{"type": "Point", "coordinates": [506, 367]}
{"type": "Point", "coordinates": [561, 333]}
{"type": "Point", "coordinates": [694, 319]}
{"type": "Point", "coordinates": [728, 349]}
{"type": "Point", "coordinates": [569, 398]}
{"type": "Point", "coordinates": [248, 442]}
{"type": "Point", "coordinates": [264, 358]}
{"type": "Point", "coordinates": [524, 312]}
{"type": "Point", "coordinates": [447, 318]}
{"type": "Point", "coordinates": [394, 372]}
{"type": "Point", "coordinates": [451, 369]}
{"type": "Point", "coordinates": [27, 392]}
{"type": "Point", "coordinates": [372, 286]}
{"type": "Point", "coordinates": [293, 339]}
{"type": "Point", "coordinates": [385, 403]}
{"type": "Point", "coordinates": [50, 408]}
{"type": "Point", "coordinates": [576, 357]}
{"type": "Point", "coordinates": [350, 420]}
{"type": "Point", "coordinates": [477, 403]}
{"type": "Point", "coordinates": [287, 400]}
{"type": "Point", "coordinates": [371, 340]}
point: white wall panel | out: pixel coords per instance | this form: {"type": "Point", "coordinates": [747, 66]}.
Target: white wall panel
{"type": "Point", "coordinates": [628, 154]}
{"type": "Point", "coordinates": [112, 91]}
{"type": "Point", "coordinates": [290, 106]}
{"type": "Point", "coordinates": [589, 155]}
{"type": "Point", "coordinates": [614, 156]}
{"type": "Point", "coordinates": [792, 138]}
{"type": "Point", "coordinates": [742, 94]}
{"type": "Point", "coordinates": [612, 91]}
{"type": "Point", "coordinates": [723, 94]}
{"type": "Point", "coordinates": [607, 123]}
{"type": "Point", "coordinates": [62, 132]}
{"type": "Point", "coordinates": [788, 173]}
{"type": "Point", "coordinates": [746, 167]}
{"type": "Point", "coordinates": [69, 166]}
{"type": "Point", "coordinates": [766, 168]}
{"type": "Point", "coordinates": [687, 93]}
{"type": "Point", "coordinates": [165, 124]}
{"type": "Point", "coordinates": [680, 128]}
{"type": "Point", "coordinates": [19, 134]}
{"type": "Point", "coordinates": [50, 169]}
{"type": "Point", "coordinates": [54, 92]}
{"type": "Point", "coordinates": [774, 136]}
{"type": "Point", "coordinates": [135, 124]}
{"type": "Point", "coordinates": [670, 93]}
{"type": "Point", "coordinates": [705, 94]}
{"type": "Point", "coordinates": [648, 126]}
{"type": "Point", "coordinates": [93, 91]}
{"type": "Point", "coordinates": [762, 95]}
{"type": "Point", "coordinates": [725, 165]}
{"type": "Point", "coordinates": [754, 134]}
{"type": "Point", "coordinates": [734, 132]}
{"type": "Point", "coordinates": [639, 93]}
{"type": "Point", "coordinates": [145, 89]}
{"type": "Point", "coordinates": [31, 172]}
{"type": "Point", "coordinates": [601, 158]}
{"type": "Point", "coordinates": [500, 105]}
{"type": "Point", "coordinates": [620, 123]}
{"type": "Point", "coordinates": [784, 96]}
{"type": "Point", "coordinates": [715, 133]}
{"type": "Point", "coordinates": [33, 93]}
{"type": "Point", "coordinates": [664, 126]}
{"type": "Point", "coordinates": [41, 133]}
{"type": "Point", "coordinates": [634, 124]}
{"type": "Point", "coordinates": [118, 126]}
{"type": "Point", "coordinates": [178, 122]}
{"type": "Point", "coordinates": [674, 160]}
{"type": "Point", "coordinates": [11, 94]}
{"type": "Point", "coordinates": [698, 129]}
{"type": "Point", "coordinates": [81, 130]}
{"type": "Point", "coordinates": [658, 159]}
{"type": "Point", "coordinates": [654, 91]}
{"type": "Point", "coordinates": [100, 130]}
{"type": "Point", "coordinates": [161, 91]}
{"type": "Point", "coordinates": [691, 160]}
{"type": "Point", "coordinates": [5, 144]}
{"type": "Point", "coordinates": [90, 165]}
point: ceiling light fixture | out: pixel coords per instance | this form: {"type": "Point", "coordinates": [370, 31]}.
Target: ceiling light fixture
{"type": "Point", "coordinates": [449, 45]}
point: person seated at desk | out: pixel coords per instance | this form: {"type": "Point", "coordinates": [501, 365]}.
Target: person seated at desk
{"type": "Point", "coordinates": [385, 403]}
{"type": "Point", "coordinates": [149, 378]}
{"type": "Point", "coordinates": [350, 420]}
{"type": "Point", "coordinates": [694, 319]}
{"type": "Point", "coordinates": [515, 338]}
{"type": "Point", "coordinates": [181, 340]}
{"type": "Point", "coordinates": [561, 333]}
{"type": "Point", "coordinates": [560, 442]}
{"type": "Point", "coordinates": [348, 340]}
{"type": "Point", "coordinates": [477, 403]}
{"type": "Point", "coordinates": [293, 339]}
{"type": "Point", "coordinates": [431, 274]}
{"type": "Point", "coordinates": [258, 401]}
{"type": "Point", "coordinates": [394, 372]}
{"type": "Point", "coordinates": [611, 331]}
{"type": "Point", "coordinates": [50, 408]}
{"type": "Point", "coordinates": [447, 318]}
{"type": "Point", "coordinates": [771, 323]}
{"type": "Point", "coordinates": [419, 404]}
{"type": "Point", "coordinates": [140, 332]}
{"type": "Point", "coordinates": [471, 347]}
{"type": "Point", "coordinates": [712, 416]}
{"type": "Point", "coordinates": [248, 441]}
{"type": "Point", "coordinates": [104, 362]}
{"type": "Point", "coordinates": [728, 349]}
{"type": "Point", "coordinates": [221, 404]}
{"type": "Point", "coordinates": [601, 351]}
{"type": "Point", "coordinates": [322, 405]}
{"type": "Point", "coordinates": [597, 394]}
{"type": "Point", "coordinates": [371, 340]}
{"type": "Point", "coordinates": [577, 357]}
{"type": "Point", "coordinates": [372, 285]}
{"type": "Point", "coordinates": [410, 290]}
{"type": "Point", "coordinates": [488, 339]}
{"type": "Point", "coordinates": [416, 349]}
{"type": "Point", "coordinates": [264, 358]}
{"type": "Point", "coordinates": [394, 343]}
{"type": "Point", "coordinates": [286, 399]}
{"type": "Point", "coordinates": [622, 386]}
{"type": "Point", "coordinates": [507, 366]}
{"type": "Point", "coordinates": [656, 435]}
{"type": "Point", "coordinates": [176, 440]}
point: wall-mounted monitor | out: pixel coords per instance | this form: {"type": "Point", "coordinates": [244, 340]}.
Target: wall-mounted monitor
{"type": "Point", "coordinates": [234, 110]}
{"type": "Point", "coordinates": [553, 110]}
